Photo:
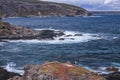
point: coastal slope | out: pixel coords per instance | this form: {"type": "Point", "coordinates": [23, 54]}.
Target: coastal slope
{"type": "Point", "coordinates": [26, 8]}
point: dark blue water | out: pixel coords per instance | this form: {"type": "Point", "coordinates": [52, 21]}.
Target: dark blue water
{"type": "Point", "coordinates": [95, 54]}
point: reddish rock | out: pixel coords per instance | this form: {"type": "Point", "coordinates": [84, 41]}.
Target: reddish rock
{"type": "Point", "coordinates": [57, 71]}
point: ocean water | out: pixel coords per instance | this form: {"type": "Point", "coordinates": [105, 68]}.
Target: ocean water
{"type": "Point", "coordinates": [98, 48]}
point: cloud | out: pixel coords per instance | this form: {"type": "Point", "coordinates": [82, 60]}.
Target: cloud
{"type": "Point", "coordinates": [93, 4]}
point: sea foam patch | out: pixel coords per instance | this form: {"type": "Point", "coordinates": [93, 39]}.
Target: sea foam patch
{"type": "Point", "coordinates": [11, 67]}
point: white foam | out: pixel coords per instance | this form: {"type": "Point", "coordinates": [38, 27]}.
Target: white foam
{"type": "Point", "coordinates": [11, 67]}
{"type": "Point", "coordinates": [11, 50]}
{"type": "Point", "coordinates": [92, 16]}
{"type": "Point", "coordinates": [69, 39]}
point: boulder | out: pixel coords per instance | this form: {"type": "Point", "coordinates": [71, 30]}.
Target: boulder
{"type": "Point", "coordinates": [57, 71]}
{"type": "Point", "coordinates": [113, 69]}
{"type": "Point", "coordinates": [5, 75]}
{"type": "Point", "coordinates": [113, 76]}
{"type": "Point", "coordinates": [62, 39]}
{"type": "Point", "coordinates": [78, 34]}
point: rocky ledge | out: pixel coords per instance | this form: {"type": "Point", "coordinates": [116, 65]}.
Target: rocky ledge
{"type": "Point", "coordinates": [57, 71]}
{"type": "Point", "coordinates": [8, 31]}
{"type": "Point", "coordinates": [5, 75]}
{"type": "Point", "coordinates": [26, 8]}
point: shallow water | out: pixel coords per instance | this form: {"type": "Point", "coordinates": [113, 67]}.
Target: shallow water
{"type": "Point", "coordinates": [94, 53]}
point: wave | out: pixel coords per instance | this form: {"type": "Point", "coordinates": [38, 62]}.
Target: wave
{"type": "Point", "coordinates": [11, 67]}
{"type": "Point", "coordinates": [69, 37]}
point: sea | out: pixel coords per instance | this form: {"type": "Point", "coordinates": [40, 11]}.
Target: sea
{"type": "Point", "coordinates": [97, 48]}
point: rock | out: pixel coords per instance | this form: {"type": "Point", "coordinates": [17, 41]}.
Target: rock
{"type": "Point", "coordinates": [57, 71]}
{"type": "Point", "coordinates": [8, 31]}
{"type": "Point", "coordinates": [113, 69]}
{"type": "Point", "coordinates": [78, 35]}
{"type": "Point", "coordinates": [5, 75]}
{"type": "Point", "coordinates": [27, 8]}
{"type": "Point", "coordinates": [113, 76]}
{"type": "Point", "coordinates": [62, 39]}
{"type": "Point", "coordinates": [68, 35]}
{"type": "Point", "coordinates": [72, 38]}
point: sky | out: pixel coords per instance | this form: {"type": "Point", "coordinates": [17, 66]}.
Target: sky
{"type": "Point", "coordinates": [93, 4]}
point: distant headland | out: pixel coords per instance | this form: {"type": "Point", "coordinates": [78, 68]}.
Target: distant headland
{"type": "Point", "coordinates": [28, 8]}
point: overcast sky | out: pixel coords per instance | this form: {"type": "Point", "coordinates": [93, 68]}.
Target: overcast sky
{"type": "Point", "coordinates": [93, 4]}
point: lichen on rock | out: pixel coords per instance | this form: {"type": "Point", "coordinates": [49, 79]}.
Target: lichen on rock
{"type": "Point", "coordinates": [58, 71]}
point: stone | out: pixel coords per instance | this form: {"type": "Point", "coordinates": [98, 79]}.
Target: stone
{"type": "Point", "coordinates": [113, 76]}
{"type": "Point", "coordinates": [113, 69]}
{"type": "Point", "coordinates": [78, 35]}
{"type": "Point", "coordinates": [62, 39]}
{"type": "Point", "coordinates": [58, 71]}
{"type": "Point", "coordinates": [5, 75]}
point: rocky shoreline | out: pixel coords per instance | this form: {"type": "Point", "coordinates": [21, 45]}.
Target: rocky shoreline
{"type": "Point", "coordinates": [10, 32]}
{"type": "Point", "coordinates": [57, 71]}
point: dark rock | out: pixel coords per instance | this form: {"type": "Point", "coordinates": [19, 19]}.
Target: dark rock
{"type": "Point", "coordinates": [5, 75]}
{"type": "Point", "coordinates": [78, 35]}
{"type": "Point", "coordinates": [27, 8]}
{"type": "Point", "coordinates": [72, 38]}
{"type": "Point", "coordinates": [68, 35]}
{"type": "Point", "coordinates": [8, 31]}
{"type": "Point", "coordinates": [62, 39]}
{"type": "Point", "coordinates": [113, 76]}
{"type": "Point", "coordinates": [113, 69]}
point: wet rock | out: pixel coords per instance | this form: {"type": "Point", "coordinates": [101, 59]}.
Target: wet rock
{"type": "Point", "coordinates": [113, 69]}
{"type": "Point", "coordinates": [5, 75]}
{"type": "Point", "coordinates": [8, 31]}
{"type": "Point", "coordinates": [68, 35]}
{"type": "Point", "coordinates": [78, 35]}
{"type": "Point", "coordinates": [57, 71]}
{"type": "Point", "coordinates": [113, 76]}
{"type": "Point", "coordinates": [72, 38]}
{"type": "Point", "coordinates": [62, 39]}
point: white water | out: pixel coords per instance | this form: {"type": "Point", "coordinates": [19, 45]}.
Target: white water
{"type": "Point", "coordinates": [11, 67]}
{"type": "Point", "coordinates": [69, 38]}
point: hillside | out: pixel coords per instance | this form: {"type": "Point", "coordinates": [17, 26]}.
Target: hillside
{"type": "Point", "coordinates": [26, 8]}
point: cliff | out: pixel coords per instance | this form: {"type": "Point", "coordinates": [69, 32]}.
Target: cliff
{"type": "Point", "coordinates": [26, 8]}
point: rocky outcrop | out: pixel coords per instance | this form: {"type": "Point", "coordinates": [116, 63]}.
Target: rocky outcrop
{"type": "Point", "coordinates": [5, 75]}
{"type": "Point", "coordinates": [113, 76]}
{"type": "Point", "coordinates": [57, 71]}
{"type": "Point", "coordinates": [26, 8]}
{"type": "Point", "coordinates": [8, 31]}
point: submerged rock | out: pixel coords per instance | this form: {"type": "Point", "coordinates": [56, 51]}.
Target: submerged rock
{"type": "Point", "coordinates": [57, 71]}
{"type": "Point", "coordinates": [5, 75]}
